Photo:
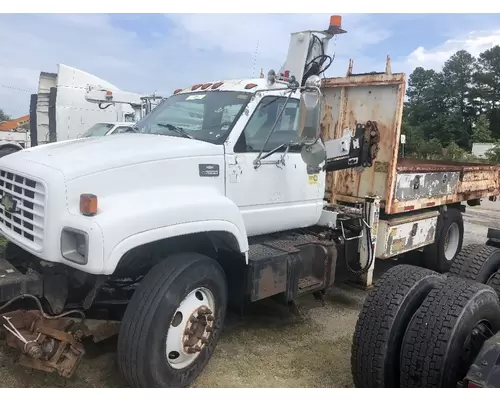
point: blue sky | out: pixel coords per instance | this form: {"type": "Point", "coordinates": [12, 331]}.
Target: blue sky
{"type": "Point", "coordinates": [147, 52]}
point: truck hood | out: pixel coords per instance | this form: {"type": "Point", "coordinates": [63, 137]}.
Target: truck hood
{"type": "Point", "coordinates": [80, 157]}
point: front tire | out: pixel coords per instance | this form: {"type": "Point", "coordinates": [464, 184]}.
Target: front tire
{"type": "Point", "coordinates": [173, 322]}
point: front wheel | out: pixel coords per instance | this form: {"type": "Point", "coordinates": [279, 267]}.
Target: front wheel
{"type": "Point", "coordinates": [173, 322]}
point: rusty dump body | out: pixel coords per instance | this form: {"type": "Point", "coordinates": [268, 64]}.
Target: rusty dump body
{"type": "Point", "coordinates": [402, 184]}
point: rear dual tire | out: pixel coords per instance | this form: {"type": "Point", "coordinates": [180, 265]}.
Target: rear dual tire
{"type": "Point", "coordinates": [382, 322]}
{"type": "Point", "coordinates": [476, 263]}
{"type": "Point", "coordinates": [445, 334]}
{"type": "Point", "coordinates": [440, 255]}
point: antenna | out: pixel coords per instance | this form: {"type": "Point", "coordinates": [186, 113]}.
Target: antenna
{"type": "Point", "coordinates": [255, 58]}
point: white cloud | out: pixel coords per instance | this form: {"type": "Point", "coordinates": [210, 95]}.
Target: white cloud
{"type": "Point", "coordinates": [475, 43]}
{"type": "Point", "coordinates": [186, 49]}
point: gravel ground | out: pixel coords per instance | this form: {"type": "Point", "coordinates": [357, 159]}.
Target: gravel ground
{"type": "Point", "coordinates": [269, 348]}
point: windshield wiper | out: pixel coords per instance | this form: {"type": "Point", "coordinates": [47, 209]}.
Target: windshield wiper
{"type": "Point", "coordinates": [176, 129]}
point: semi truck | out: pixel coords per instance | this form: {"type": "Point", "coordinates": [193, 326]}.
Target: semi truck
{"type": "Point", "coordinates": [71, 102]}
{"type": "Point", "coordinates": [268, 188]}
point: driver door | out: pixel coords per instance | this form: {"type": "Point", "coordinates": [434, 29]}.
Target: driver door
{"type": "Point", "coordinates": [275, 196]}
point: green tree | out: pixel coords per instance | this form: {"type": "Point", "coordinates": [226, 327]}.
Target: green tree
{"type": "Point", "coordinates": [3, 116]}
{"type": "Point", "coordinates": [493, 155]}
{"type": "Point", "coordinates": [425, 109]}
{"type": "Point", "coordinates": [481, 132]}
{"type": "Point", "coordinates": [457, 74]}
{"type": "Point", "coordinates": [487, 91]}
{"type": "Point", "coordinates": [454, 152]}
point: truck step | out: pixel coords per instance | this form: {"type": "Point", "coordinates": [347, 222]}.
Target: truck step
{"type": "Point", "coordinates": [309, 283]}
{"type": "Point", "coordinates": [290, 263]}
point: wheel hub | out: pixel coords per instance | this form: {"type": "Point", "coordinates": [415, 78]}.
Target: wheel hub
{"type": "Point", "coordinates": [191, 328]}
{"type": "Point", "coordinates": [451, 241]}
{"type": "Point", "coordinates": [198, 330]}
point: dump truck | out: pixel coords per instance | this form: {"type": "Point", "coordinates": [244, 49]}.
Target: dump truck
{"type": "Point", "coordinates": [268, 188]}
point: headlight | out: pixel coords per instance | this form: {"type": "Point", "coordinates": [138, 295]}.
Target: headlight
{"type": "Point", "coordinates": [74, 245]}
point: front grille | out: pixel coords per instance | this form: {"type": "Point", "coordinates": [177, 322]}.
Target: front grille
{"type": "Point", "coordinates": [27, 219]}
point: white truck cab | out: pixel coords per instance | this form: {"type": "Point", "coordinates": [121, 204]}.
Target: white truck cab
{"type": "Point", "coordinates": [167, 181]}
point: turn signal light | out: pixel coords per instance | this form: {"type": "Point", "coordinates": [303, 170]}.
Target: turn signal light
{"type": "Point", "coordinates": [88, 204]}
{"type": "Point", "coordinates": [206, 86]}
{"type": "Point", "coordinates": [250, 85]}
{"type": "Point", "coordinates": [216, 85]}
{"type": "Point", "coordinates": [194, 87]}
{"type": "Point", "coordinates": [177, 91]}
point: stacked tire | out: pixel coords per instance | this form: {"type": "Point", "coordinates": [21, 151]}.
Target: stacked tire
{"type": "Point", "coordinates": [419, 328]}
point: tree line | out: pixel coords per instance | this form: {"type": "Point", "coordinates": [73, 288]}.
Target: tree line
{"type": "Point", "coordinates": [448, 110]}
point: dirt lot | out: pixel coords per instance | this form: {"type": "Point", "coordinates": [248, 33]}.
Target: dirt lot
{"type": "Point", "coordinates": [269, 348]}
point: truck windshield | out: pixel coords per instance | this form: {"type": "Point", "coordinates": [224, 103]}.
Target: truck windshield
{"type": "Point", "coordinates": [100, 129]}
{"type": "Point", "coordinates": [207, 116]}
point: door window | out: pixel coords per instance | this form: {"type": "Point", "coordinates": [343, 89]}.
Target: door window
{"type": "Point", "coordinates": [263, 119]}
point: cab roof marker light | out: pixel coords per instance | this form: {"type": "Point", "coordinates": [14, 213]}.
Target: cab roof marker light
{"type": "Point", "coordinates": [217, 85]}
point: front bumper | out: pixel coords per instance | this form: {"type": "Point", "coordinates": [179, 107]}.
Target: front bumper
{"type": "Point", "coordinates": [13, 283]}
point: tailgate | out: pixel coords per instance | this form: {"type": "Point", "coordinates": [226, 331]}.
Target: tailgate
{"type": "Point", "coordinates": [356, 99]}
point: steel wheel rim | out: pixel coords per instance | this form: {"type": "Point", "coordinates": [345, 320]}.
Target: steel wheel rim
{"type": "Point", "coordinates": [451, 241]}
{"type": "Point", "coordinates": [190, 329]}
{"type": "Point", "coordinates": [479, 334]}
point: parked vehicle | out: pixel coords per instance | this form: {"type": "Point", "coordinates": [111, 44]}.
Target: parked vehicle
{"type": "Point", "coordinates": [153, 234]}
{"type": "Point", "coordinates": [107, 128]}
{"type": "Point", "coordinates": [70, 102]}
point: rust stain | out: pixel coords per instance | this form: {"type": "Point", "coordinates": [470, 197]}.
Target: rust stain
{"type": "Point", "coordinates": [359, 99]}
{"type": "Point", "coordinates": [365, 80]}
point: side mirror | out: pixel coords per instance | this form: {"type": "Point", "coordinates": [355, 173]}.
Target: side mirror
{"type": "Point", "coordinates": [309, 115]}
{"type": "Point", "coordinates": [313, 151]}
